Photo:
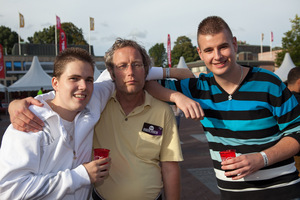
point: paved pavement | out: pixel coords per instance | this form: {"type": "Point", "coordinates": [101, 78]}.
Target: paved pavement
{"type": "Point", "coordinates": [197, 176]}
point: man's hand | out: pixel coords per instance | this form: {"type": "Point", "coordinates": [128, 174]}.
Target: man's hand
{"type": "Point", "coordinates": [189, 107]}
{"type": "Point", "coordinates": [22, 118]}
{"type": "Point", "coordinates": [98, 169]}
{"type": "Point", "coordinates": [243, 165]}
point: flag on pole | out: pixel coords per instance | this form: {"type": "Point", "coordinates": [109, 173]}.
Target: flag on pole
{"type": "Point", "coordinates": [92, 25]}
{"type": "Point", "coordinates": [62, 40]}
{"type": "Point", "coordinates": [169, 51]}
{"type": "Point", "coordinates": [2, 73]}
{"type": "Point", "coordinates": [22, 21]}
{"type": "Point", "coordinates": [262, 37]}
{"type": "Point", "coordinates": [272, 38]}
{"type": "Point", "coordinates": [58, 25]}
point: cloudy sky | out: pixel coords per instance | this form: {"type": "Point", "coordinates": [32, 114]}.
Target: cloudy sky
{"type": "Point", "coordinates": [150, 21]}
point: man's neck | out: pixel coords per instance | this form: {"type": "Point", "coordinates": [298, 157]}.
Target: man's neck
{"type": "Point", "coordinates": [293, 88]}
{"type": "Point", "coordinates": [129, 102]}
{"type": "Point", "coordinates": [229, 82]}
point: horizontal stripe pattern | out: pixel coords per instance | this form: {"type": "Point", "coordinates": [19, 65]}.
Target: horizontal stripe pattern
{"type": "Point", "coordinates": [261, 112]}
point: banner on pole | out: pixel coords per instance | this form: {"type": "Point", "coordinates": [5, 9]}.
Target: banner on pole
{"type": "Point", "coordinates": [22, 21]}
{"type": "Point", "coordinates": [272, 38]}
{"type": "Point", "coordinates": [58, 25]}
{"type": "Point", "coordinates": [92, 25]}
{"type": "Point", "coordinates": [62, 40]}
{"type": "Point", "coordinates": [2, 72]}
{"type": "Point", "coordinates": [169, 51]}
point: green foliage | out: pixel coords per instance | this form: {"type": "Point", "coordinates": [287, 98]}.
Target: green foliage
{"type": "Point", "coordinates": [291, 43]}
{"type": "Point", "coordinates": [184, 47]}
{"type": "Point", "coordinates": [158, 54]}
{"type": "Point", "coordinates": [8, 38]}
{"type": "Point", "coordinates": [47, 35]}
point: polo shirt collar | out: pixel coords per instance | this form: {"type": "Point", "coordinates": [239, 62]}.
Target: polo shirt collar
{"type": "Point", "coordinates": [147, 103]}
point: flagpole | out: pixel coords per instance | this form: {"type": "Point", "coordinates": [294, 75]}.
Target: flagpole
{"type": "Point", "coordinates": [55, 35]}
{"type": "Point", "coordinates": [261, 41]}
{"type": "Point", "coordinates": [271, 40]}
{"type": "Point", "coordinates": [90, 41]}
{"type": "Point", "coordinates": [19, 40]}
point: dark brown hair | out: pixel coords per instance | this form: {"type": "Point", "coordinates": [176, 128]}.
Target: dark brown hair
{"type": "Point", "coordinates": [212, 25]}
{"type": "Point", "coordinates": [70, 55]}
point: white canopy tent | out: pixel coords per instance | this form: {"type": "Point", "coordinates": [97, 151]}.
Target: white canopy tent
{"type": "Point", "coordinates": [285, 67]}
{"type": "Point", "coordinates": [34, 79]}
{"type": "Point", "coordinates": [182, 63]}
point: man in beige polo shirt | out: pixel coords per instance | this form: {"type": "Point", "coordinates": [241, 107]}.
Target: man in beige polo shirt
{"type": "Point", "coordinates": [140, 132]}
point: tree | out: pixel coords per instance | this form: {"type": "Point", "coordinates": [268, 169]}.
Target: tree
{"type": "Point", "coordinates": [8, 38]}
{"type": "Point", "coordinates": [184, 47]}
{"type": "Point", "coordinates": [47, 36]}
{"type": "Point", "coordinates": [158, 54]}
{"type": "Point", "coordinates": [291, 43]}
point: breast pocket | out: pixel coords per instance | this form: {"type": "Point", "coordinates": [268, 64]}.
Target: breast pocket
{"type": "Point", "coordinates": [148, 146]}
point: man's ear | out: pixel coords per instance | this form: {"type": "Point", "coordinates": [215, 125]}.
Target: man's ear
{"type": "Point", "coordinates": [54, 82]}
{"type": "Point", "coordinates": [199, 53]}
{"type": "Point", "coordinates": [235, 45]}
{"type": "Point", "coordinates": [112, 73]}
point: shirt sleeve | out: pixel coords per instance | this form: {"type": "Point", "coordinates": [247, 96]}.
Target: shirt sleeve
{"type": "Point", "coordinates": [20, 177]}
{"type": "Point", "coordinates": [171, 148]}
{"type": "Point", "coordinates": [46, 96]}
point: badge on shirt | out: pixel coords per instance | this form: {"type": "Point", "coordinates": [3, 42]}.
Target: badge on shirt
{"type": "Point", "coordinates": [152, 129]}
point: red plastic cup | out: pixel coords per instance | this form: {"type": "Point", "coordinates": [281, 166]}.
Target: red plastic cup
{"type": "Point", "coordinates": [101, 153]}
{"type": "Point", "coordinates": [227, 154]}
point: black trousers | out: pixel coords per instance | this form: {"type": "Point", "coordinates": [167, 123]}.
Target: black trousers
{"type": "Point", "coordinates": [97, 197]}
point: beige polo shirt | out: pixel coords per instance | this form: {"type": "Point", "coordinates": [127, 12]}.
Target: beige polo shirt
{"type": "Point", "coordinates": [138, 143]}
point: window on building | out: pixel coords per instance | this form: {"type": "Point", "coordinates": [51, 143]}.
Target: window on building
{"type": "Point", "coordinates": [17, 66]}
{"type": "Point", "coordinates": [26, 66]}
{"type": "Point", "coordinates": [8, 65]}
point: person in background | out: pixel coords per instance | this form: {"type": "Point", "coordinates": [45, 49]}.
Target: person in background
{"type": "Point", "coordinates": [40, 91]}
{"type": "Point", "coordinates": [177, 112]}
{"type": "Point", "coordinates": [54, 163]}
{"type": "Point", "coordinates": [293, 83]}
{"type": "Point", "coordinates": [248, 109]}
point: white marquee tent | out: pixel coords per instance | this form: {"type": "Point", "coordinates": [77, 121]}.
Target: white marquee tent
{"type": "Point", "coordinates": [182, 63]}
{"type": "Point", "coordinates": [285, 67]}
{"type": "Point", "coordinates": [2, 88]}
{"type": "Point", "coordinates": [34, 79]}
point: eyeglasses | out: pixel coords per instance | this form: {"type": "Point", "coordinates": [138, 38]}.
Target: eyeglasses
{"type": "Point", "coordinates": [124, 67]}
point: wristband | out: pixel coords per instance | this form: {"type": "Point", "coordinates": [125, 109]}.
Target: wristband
{"type": "Point", "coordinates": [265, 157]}
{"type": "Point", "coordinates": [167, 72]}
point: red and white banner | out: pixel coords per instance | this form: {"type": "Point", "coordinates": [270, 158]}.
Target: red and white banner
{"type": "Point", "coordinates": [62, 40]}
{"type": "Point", "coordinates": [2, 72]}
{"type": "Point", "coordinates": [58, 25]}
{"type": "Point", "coordinates": [169, 51]}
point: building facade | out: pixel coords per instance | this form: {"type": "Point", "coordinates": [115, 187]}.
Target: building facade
{"type": "Point", "coordinates": [17, 65]}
